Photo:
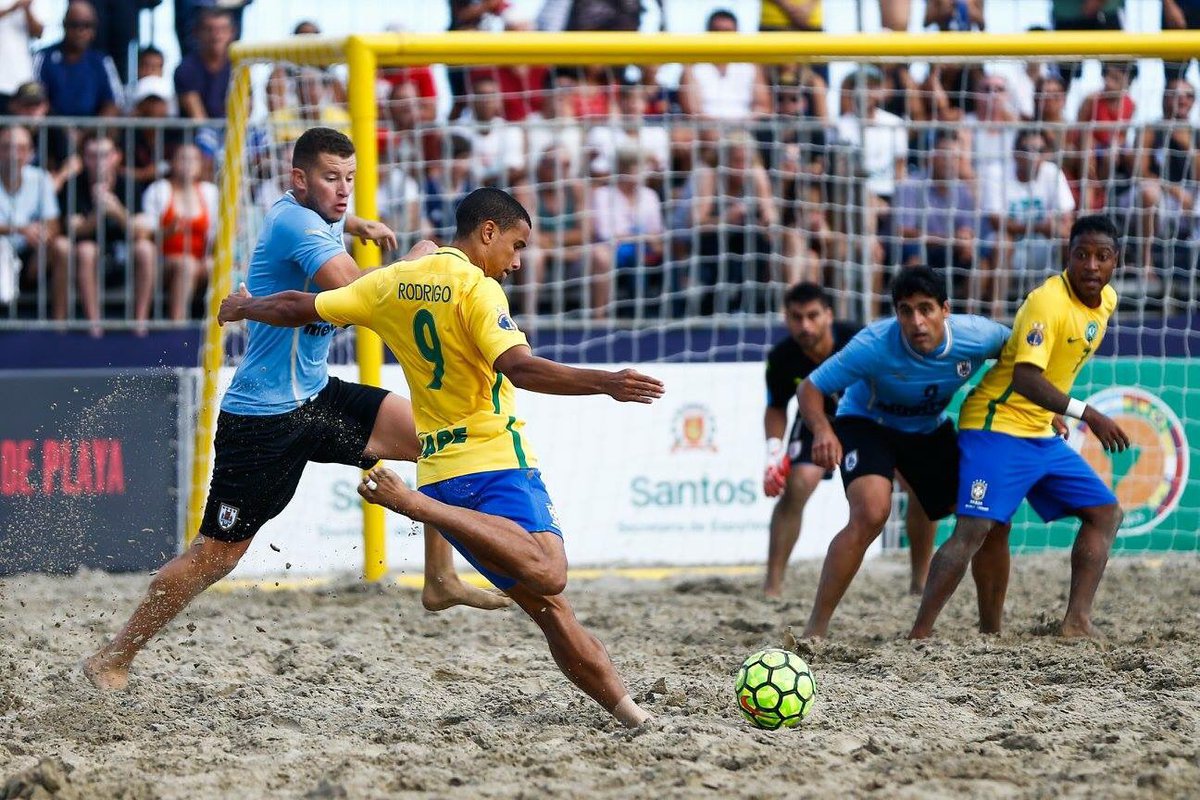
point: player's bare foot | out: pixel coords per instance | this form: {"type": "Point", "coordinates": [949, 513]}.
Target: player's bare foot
{"type": "Point", "coordinates": [1080, 629]}
{"type": "Point", "coordinates": [773, 592]}
{"type": "Point", "coordinates": [919, 633]}
{"type": "Point", "coordinates": [443, 593]}
{"type": "Point", "coordinates": [106, 673]}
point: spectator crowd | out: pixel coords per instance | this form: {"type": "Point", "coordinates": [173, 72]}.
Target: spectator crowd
{"type": "Point", "coordinates": [651, 197]}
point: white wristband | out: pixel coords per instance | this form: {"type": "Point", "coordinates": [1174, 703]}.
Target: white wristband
{"type": "Point", "coordinates": [1075, 408]}
{"type": "Point", "coordinates": [774, 449]}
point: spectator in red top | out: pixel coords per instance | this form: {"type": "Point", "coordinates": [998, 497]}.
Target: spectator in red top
{"type": "Point", "coordinates": [1114, 175]}
{"type": "Point", "coordinates": [182, 210]}
{"type": "Point", "coordinates": [1105, 116]}
{"type": "Point", "coordinates": [520, 88]}
{"type": "Point", "coordinates": [400, 138]}
{"type": "Point", "coordinates": [481, 15]}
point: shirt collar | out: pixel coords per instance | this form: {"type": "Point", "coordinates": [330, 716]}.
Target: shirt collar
{"type": "Point", "coordinates": [447, 250]}
{"type": "Point", "coordinates": [947, 342]}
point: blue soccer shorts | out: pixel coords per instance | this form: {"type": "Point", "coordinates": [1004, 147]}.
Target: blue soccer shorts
{"type": "Point", "coordinates": [997, 470]}
{"type": "Point", "coordinates": [515, 494]}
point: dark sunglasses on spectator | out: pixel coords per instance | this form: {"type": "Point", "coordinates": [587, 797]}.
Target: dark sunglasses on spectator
{"type": "Point", "coordinates": [80, 26]}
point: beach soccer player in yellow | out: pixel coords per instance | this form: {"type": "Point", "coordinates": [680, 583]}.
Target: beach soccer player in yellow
{"type": "Point", "coordinates": [1008, 451]}
{"type": "Point", "coordinates": [447, 320]}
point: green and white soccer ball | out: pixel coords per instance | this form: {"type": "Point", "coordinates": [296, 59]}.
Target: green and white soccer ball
{"type": "Point", "coordinates": [775, 689]}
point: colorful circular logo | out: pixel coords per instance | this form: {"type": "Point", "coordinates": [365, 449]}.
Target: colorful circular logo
{"type": "Point", "coordinates": [1148, 478]}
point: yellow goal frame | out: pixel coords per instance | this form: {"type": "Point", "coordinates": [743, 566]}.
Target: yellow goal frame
{"type": "Point", "coordinates": [364, 54]}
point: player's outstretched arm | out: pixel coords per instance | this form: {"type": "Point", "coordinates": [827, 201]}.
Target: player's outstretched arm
{"type": "Point", "coordinates": [827, 448]}
{"type": "Point", "coordinates": [534, 374]}
{"type": "Point", "coordinates": [1029, 382]}
{"type": "Point", "coordinates": [283, 309]}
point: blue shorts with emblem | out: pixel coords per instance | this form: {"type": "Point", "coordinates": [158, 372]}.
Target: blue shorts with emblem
{"type": "Point", "coordinates": [515, 494]}
{"type": "Point", "coordinates": [997, 470]}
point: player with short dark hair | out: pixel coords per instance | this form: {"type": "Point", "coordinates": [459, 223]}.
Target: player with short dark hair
{"type": "Point", "coordinates": [1009, 451]}
{"type": "Point", "coordinates": [790, 474]}
{"type": "Point", "coordinates": [897, 377]}
{"type": "Point", "coordinates": [447, 320]}
{"type": "Point", "coordinates": [282, 409]}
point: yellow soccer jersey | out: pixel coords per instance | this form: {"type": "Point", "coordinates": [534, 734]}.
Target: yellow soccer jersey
{"type": "Point", "coordinates": [1053, 330]}
{"type": "Point", "coordinates": [447, 323]}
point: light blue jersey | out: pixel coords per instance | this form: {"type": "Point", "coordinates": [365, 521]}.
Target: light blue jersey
{"type": "Point", "coordinates": [889, 382]}
{"type": "Point", "coordinates": [283, 367]}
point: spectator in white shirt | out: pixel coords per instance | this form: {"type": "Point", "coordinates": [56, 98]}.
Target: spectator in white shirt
{"type": "Point", "coordinates": [28, 209]}
{"type": "Point", "coordinates": [882, 141]}
{"type": "Point", "coordinates": [497, 146]}
{"type": "Point", "coordinates": [629, 130]}
{"type": "Point", "coordinates": [628, 217]}
{"type": "Point", "coordinates": [556, 126]}
{"type": "Point", "coordinates": [879, 134]}
{"type": "Point", "coordinates": [727, 93]}
{"type": "Point", "coordinates": [19, 26]}
{"type": "Point", "coordinates": [1030, 206]}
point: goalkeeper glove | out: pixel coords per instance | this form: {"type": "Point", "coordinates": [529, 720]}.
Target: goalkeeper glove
{"type": "Point", "coordinates": [775, 474]}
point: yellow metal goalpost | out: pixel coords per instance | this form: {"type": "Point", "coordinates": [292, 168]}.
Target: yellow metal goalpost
{"type": "Point", "coordinates": [364, 54]}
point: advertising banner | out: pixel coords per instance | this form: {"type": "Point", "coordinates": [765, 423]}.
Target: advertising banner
{"type": "Point", "coordinates": [676, 482]}
{"type": "Point", "coordinates": [88, 470]}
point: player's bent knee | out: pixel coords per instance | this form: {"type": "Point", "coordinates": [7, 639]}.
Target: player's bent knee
{"type": "Point", "coordinates": [868, 524]}
{"type": "Point", "coordinates": [1108, 518]}
{"type": "Point", "coordinates": [547, 581]}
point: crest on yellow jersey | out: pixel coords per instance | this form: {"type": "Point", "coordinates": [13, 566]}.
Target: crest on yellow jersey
{"type": "Point", "coordinates": [1036, 335]}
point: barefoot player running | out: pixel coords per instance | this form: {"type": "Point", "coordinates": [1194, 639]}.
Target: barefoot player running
{"type": "Point", "coordinates": [1007, 449]}
{"type": "Point", "coordinates": [283, 410]}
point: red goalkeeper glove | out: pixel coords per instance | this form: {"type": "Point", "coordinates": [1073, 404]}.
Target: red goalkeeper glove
{"type": "Point", "coordinates": [778, 467]}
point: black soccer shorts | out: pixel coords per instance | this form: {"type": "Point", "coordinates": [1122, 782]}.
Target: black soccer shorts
{"type": "Point", "coordinates": [800, 444]}
{"type": "Point", "coordinates": [928, 461]}
{"type": "Point", "coordinates": [259, 460]}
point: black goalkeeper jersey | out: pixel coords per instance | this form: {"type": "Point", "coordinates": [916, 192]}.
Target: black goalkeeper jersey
{"type": "Point", "coordinates": [787, 366]}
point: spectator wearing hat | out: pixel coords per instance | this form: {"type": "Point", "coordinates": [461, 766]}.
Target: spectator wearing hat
{"type": "Point", "coordinates": [19, 26]}
{"type": "Point", "coordinates": [29, 100]}
{"type": "Point", "coordinates": [50, 143]}
{"type": "Point", "coordinates": [153, 147]}
{"type": "Point", "coordinates": [80, 80]}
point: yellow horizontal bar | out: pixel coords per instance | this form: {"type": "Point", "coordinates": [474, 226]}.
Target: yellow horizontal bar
{"type": "Point", "coordinates": [316, 51]}
{"type": "Point", "coordinates": [475, 579]}
{"type": "Point", "coordinates": [472, 47]}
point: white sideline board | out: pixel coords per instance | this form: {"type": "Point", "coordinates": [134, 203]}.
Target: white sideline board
{"type": "Point", "coordinates": [676, 482]}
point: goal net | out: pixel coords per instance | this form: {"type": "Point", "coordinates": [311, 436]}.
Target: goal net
{"type": "Point", "coordinates": [678, 185]}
